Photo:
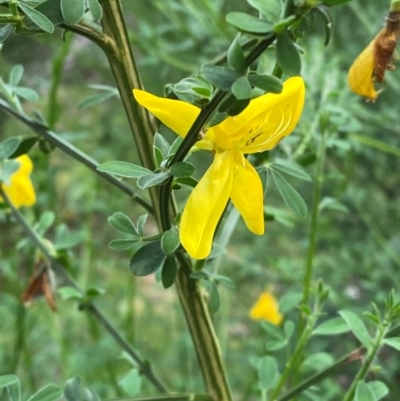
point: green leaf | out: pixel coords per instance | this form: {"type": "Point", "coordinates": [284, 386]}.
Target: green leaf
{"type": "Point", "coordinates": [288, 329]}
{"type": "Point", "coordinates": [236, 57]}
{"type": "Point", "coordinates": [379, 389]}
{"type": "Point", "coordinates": [220, 77]}
{"type": "Point", "coordinates": [147, 259]}
{"type": "Point", "coordinates": [123, 223]}
{"type": "Point", "coordinates": [169, 271]}
{"type": "Point", "coordinates": [357, 327]}
{"type": "Point", "coordinates": [175, 145]}
{"type": "Point", "coordinates": [131, 383]}
{"type": "Point", "coordinates": [5, 32]}
{"type": "Point", "coordinates": [123, 169]}
{"type": "Point", "coordinates": [46, 221]}
{"type": "Point", "coordinates": [94, 293]}
{"type": "Point", "coordinates": [182, 169]}
{"type": "Point", "coordinates": [241, 88]}
{"type": "Point", "coordinates": [275, 345]}
{"type": "Point", "coordinates": [72, 10]}
{"type": "Point", "coordinates": [247, 23]}
{"type": "Point", "coordinates": [69, 241]}
{"type": "Point", "coordinates": [25, 146]}
{"type": "Point", "coordinates": [268, 372]}
{"type": "Point", "coordinates": [317, 362]}
{"type": "Point", "coordinates": [289, 301]}
{"type": "Point", "coordinates": [290, 196]}
{"type": "Point", "coordinates": [272, 330]}
{"type": "Point", "coordinates": [170, 241]}
{"type": "Point", "coordinates": [141, 222]}
{"type": "Point", "coordinates": [287, 55]}
{"type": "Point", "coordinates": [196, 86]}
{"type": "Point", "coordinates": [158, 156]}
{"type": "Point", "coordinates": [72, 389]}
{"type": "Point", "coordinates": [122, 244]}
{"type": "Point", "coordinates": [335, 2]}
{"type": "Point", "coordinates": [214, 300]}
{"type": "Point", "coordinates": [272, 9]}
{"type": "Point", "coordinates": [328, 19]}
{"type": "Point", "coordinates": [291, 168]}
{"type": "Point", "coordinates": [51, 9]}
{"type": "Point", "coordinates": [393, 342]}
{"type": "Point", "coordinates": [95, 9]}
{"type": "Point", "coordinates": [161, 143]}
{"type": "Point", "coordinates": [70, 293]}
{"type": "Point", "coordinates": [331, 327]}
{"type": "Point", "coordinates": [27, 93]}
{"type": "Point", "coordinates": [238, 107]}
{"type": "Point", "coordinates": [13, 386]}
{"type": "Point", "coordinates": [50, 392]}
{"type": "Point", "coordinates": [151, 180]}
{"type": "Point", "coordinates": [363, 393]}
{"type": "Point", "coordinates": [8, 147]}
{"type": "Point", "coordinates": [333, 204]}
{"type": "Point", "coordinates": [16, 75]}
{"type": "Point", "coordinates": [97, 99]}
{"type": "Point", "coordinates": [8, 169]}
{"type": "Point", "coordinates": [267, 83]}
{"type": "Point", "coordinates": [8, 380]}
{"type": "Point", "coordinates": [190, 181]}
{"type": "Point", "coordinates": [37, 17]}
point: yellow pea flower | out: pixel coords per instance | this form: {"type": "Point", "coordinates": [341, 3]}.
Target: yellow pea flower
{"type": "Point", "coordinates": [266, 308]}
{"type": "Point", "coordinates": [261, 126]}
{"type": "Point", "coordinates": [20, 191]}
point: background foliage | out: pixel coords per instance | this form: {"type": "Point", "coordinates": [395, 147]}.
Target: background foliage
{"type": "Point", "coordinates": [358, 241]}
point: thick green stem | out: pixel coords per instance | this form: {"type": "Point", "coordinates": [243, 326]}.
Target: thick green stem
{"type": "Point", "coordinates": [127, 78]}
{"type": "Point", "coordinates": [367, 363]}
{"type": "Point", "coordinates": [312, 238]}
{"type": "Point", "coordinates": [144, 367]}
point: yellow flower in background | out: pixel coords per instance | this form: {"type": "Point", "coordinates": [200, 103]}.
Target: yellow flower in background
{"type": "Point", "coordinates": [21, 191]}
{"type": "Point", "coordinates": [260, 127]}
{"type": "Point", "coordinates": [266, 308]}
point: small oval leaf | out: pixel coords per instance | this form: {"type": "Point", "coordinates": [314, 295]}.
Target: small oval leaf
{"type": "Point", "coordinates": [148, 259]}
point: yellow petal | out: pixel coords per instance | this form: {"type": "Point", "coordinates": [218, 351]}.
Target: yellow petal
{"type": "Point", "coordinates": [21, 191]}
{"type": "Point", "coordinates": [266, 308]}
{"type": "Point", "coordinates": [267, 119]}
{"type": "Point", "coordinates": [247, 196]}
{"type": "Point", "coordinates": [205, 206]}
{"type": "Point", "coordinates": [175, 114]}
{"type": "Point", "coordinates": [361, 73]}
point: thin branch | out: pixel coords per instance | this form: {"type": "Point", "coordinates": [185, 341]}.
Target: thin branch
{"type": "Point", "coordinates": [59, 269]}
{"type": "Point", "coordinates": [77, 154]}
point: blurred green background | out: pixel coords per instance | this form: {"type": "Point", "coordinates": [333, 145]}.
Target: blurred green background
{"type": "Point", "coordinates": [358, 244]}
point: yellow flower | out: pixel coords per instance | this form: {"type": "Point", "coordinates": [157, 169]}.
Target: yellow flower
{"type": "Point", "coordinates": [259, 127]}
{"type": "Point", "coordinates": [21, 191]}
{"type": "Point", "coordinates": [361, 74]}
{"type": "Point", "coordinates": [266, 308]}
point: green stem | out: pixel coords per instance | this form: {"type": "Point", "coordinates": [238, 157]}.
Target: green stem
{"type": "Point", "coordinates": [295, 356]}
{"type": "Point", "coordinates": [367, 363]}
{"type": "Point", "coordinates": [175, 397]}
{"type": "Point", "coordinates": [72, 151]}
{"type": "Point", "coordinates": [127, 78]}
{"type": "Point", "coordinates": [312, 238]}
{"type": "Point", "coordinates": [53, 107]}
{"type": "Point", "coordinates": [56, 265]}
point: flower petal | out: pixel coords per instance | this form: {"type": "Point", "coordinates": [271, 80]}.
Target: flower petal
{"type": "Point", "coordinates": [21, 191]}
{"type": "Point", "coordinates": [266, 308]}
{"type": "Point", "coordinates": [361, 73]}
{"type": "Point", "coordinates": [247, 196]}
{"type": "Point", "coordinates": [267, 119]}
{"type": "Point", "coordinates": [175, 114]}
{"type": "Point", "coordinates": [205, 206]}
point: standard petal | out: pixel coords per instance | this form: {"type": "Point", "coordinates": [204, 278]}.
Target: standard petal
{"type": "Point", "coordinates": [205, 206]}
{"type": "Point", "coordinates": [267, 119]}
{"type": "Point", "coordinates": [21, 191]}
{"type": "Point", "coordinates": [247, 196]}
{"type": "Point", "coordinates": [175, 114]}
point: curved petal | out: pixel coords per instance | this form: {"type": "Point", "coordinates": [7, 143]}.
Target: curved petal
{"type": "Point", "coordinates": [267, 119]}
{"type": "Point", "coordinates": [21, 191]}
{"type": "Point", "coordinates": [175, 114]}
{"type": "Point", "coordinates": [205, 206]}
{"type": "Point", "coordinates": [361, 73]}
{"type": "Point", "coordinates": [247, 196]}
